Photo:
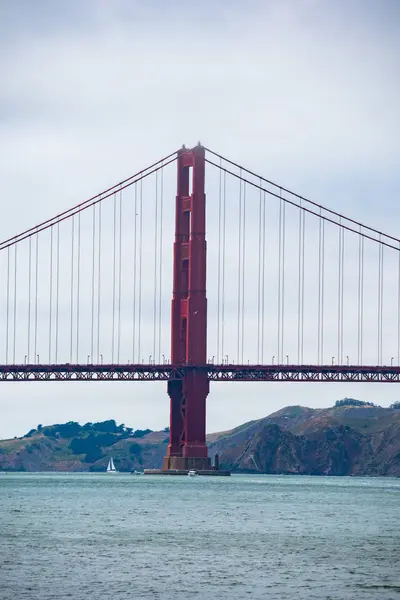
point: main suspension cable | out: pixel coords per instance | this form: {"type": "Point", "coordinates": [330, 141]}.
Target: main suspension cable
{"type": "Point", "coordinates": [312, 212]}
{"type": "Point", "coordinates": [298, 196]}
{"type": "Point", "coordinates": [140, 175]}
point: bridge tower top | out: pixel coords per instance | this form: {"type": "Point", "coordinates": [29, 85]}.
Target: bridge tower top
{"type": "Point", "coordinates": [189, 303]}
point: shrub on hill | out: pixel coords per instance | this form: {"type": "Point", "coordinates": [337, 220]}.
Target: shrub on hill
{"type": "Point", "coordinates": [395, 405]}
{"type": "Point", "coordinates": [352, 402]}
{"type": "Point", "coordinates": [141, 433]}
{"type": "Point", "coordinates": [65, 430]}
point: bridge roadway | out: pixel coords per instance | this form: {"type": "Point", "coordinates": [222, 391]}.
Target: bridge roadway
{"type": "Point", "coordinates": [215, 372]}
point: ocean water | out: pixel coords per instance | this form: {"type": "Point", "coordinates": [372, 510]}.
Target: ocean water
{"type": "Point", "coordinates": [119, 537]}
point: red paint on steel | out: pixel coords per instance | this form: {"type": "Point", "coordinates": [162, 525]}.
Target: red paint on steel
{"type": "Point", "coordinates": [176, 374]}
{"type": "Point", "coordinates": [189, 317]}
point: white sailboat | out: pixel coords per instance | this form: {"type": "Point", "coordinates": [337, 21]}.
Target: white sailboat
{"type": "Point", "coordinates": [111, 467]}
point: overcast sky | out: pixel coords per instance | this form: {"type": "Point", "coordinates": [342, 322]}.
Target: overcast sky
{"type": "Point", "coordinates": [303, 92]}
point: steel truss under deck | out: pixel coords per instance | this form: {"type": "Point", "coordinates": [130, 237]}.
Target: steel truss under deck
{"type": "Point", "coordinates": [167, 372]}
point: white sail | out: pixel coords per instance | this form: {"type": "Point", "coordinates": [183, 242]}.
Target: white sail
{"type": "Point", "coordinates": [111, 467]}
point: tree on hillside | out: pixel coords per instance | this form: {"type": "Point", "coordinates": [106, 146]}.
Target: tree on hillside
{"type": "Point", "coordinates": [141, 433]}
{"type": "Point", "coordinates": [109, 426]}
{"type": "Point", "coordinates": [64, 430]}
{"type": "Point", "coordinates": [395, 405]}
{"type": "Point", "coordinates": [352, 402]}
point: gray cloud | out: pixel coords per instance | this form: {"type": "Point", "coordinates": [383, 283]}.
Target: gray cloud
{"type": "Point", "coordinates": [305, 93]}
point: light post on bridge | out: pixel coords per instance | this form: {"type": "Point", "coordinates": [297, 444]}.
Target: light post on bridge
{"type": "Point", "coordinates": [333, 360]}
{"type": "Point", "coordinates": [273, 358]}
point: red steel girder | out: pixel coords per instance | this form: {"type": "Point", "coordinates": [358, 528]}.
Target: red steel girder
{"type": "Point", "coordinates": [217, 373]}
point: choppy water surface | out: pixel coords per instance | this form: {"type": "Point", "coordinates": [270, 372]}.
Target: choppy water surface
{"type": "Point", "coordinates": [91, 536]}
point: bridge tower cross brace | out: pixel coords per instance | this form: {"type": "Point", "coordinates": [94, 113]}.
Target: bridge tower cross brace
{"type": "Point", "coordinates": [187, 447]}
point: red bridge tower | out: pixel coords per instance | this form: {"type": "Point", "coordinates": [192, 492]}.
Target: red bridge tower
{"type": "Point", "coordinates": [187, 448]}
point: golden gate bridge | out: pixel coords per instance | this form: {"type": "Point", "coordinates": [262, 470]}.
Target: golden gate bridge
{"type": "Point", "coordinates": [296, 291]}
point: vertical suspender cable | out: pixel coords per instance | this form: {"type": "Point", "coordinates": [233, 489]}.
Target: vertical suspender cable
{"type": "Point", "coordinates": [302, 288]}
{"type": "Point", "coordinates": [342, 300]}
{"type": "Point", "coordinates": [279, 279]}
{"type": "Point", "coordinates": [382, 290]}
{"type": "Point", "coordinates": [161, 261]}
{"type": "Point", "coordinates": [57, 289]}
{"type": "Point", "coordinates": [155, 272]}
{"type": "Point", "coordinates": [114, 275]}
{"type": "Point", "coordinates": [380, 301]}
{"type": "Point", "coordinates": [362, 302]}
{"type": "Point", "coordinates": [360, 297]}
{"type": "Point", "coordinates": [35, 356]}
{"type": "Point", "coordinates": [78, 275]}
{"type": "Point", "coordinates": [219, 259]}
{"type": "Point", "coordinates": [339, 293]}
{"type": "Point", "coordinates": [239, 267]}
{"type": "Point", "coordinates": [29, 296]}
{"type": "Point", "coordinates": [259, 276]}
{"type": "Point", "coordinates": [119, 277]}
{"type": "Point", "coordinates": [283, 273]}
{"type": "Point", "coordinates": [72, 288]}
{"type": "Point", "coordinates": [398, 311]}
{"type": "Point", "coordinates": [134, 276]}
{"type": "Point", "coordinates": [223, 270]}
{"type": "Point", "coordinates": [99, 288]}
{"type": "Point", "coordinates": [243, 264]}
{"type": "Point", "coordinates": [51, 292]}
{"type": "Point", "coordinates": [15, 301]}
{"type": "Point", "coordinates": [263, 277]}
{"type": "Point", "coordinates": [8, 301]}
{"type": "Point", "coordinates": [319, 286]}
{"type": "Point", "coordinates": [322, 290]}
{"type": "Point", "coordinates": [299, 293]}
{"type": "Point", "coordinates": [140, 270]}
{"type": "Point", "coordinates": [93, 278]}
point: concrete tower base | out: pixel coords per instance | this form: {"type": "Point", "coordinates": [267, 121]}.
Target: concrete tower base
{"type": "Point", "coordinates": [212, 472]}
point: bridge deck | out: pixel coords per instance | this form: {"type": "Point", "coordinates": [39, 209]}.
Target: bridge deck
{"type": "Point", "coordinates": [154, 372]}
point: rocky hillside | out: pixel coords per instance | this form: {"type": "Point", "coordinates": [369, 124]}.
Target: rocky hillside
{"type": "Point", "coordinates": [352, 438]}
{"type": "Point", "coordinates": [342, 440]}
